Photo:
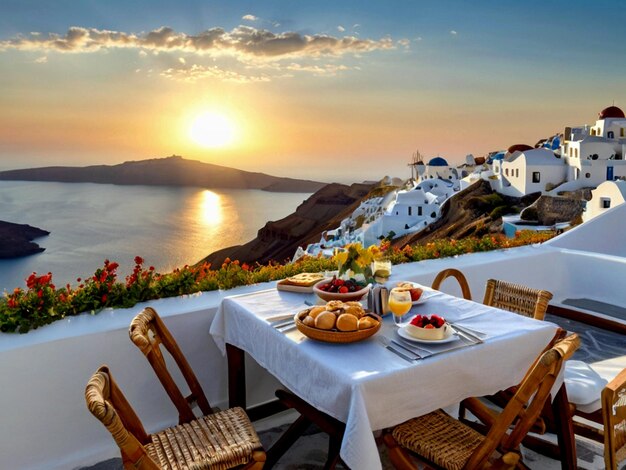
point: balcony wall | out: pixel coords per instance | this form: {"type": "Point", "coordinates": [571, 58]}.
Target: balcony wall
{"type": "Point", "coordinates": [46, 425]}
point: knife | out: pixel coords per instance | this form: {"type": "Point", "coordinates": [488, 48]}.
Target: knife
{"type": "Point", "coordinates": [464, 333]}
{"type": "Point", "coordinates": [404, 355]}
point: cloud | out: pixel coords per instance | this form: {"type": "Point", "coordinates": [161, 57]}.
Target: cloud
{"type": "Point", "coordinates": [319, 70]}
{"type": "Point", "coordinates": [453, 33]}
{"type": "Point", "coordinates": [341, 29]}
{"type": "Point", "coordinates": [249, 18]}
{"type": "Point", "coordinates": [199, 72]}
{"type": "Point", "coordinates": [242, 41]}
{"type": "Point", "coordinates": [41, 60]}
{"type": "Point", "coordinates": [406, 43]}
{"type": "Point", "coordinates": [417, 39]}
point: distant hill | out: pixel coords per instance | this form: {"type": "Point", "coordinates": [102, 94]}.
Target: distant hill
{"type": "Point", "coordinates": [15, 240]}
{"type": "Point", "coordinates": [170, 171]}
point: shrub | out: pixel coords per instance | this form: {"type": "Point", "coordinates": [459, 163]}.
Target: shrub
{"type": "Point", "coordinates": [42, 303]}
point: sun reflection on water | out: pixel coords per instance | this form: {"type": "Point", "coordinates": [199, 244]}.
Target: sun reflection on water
{"type": "Point", "coordinates": [210, 208]}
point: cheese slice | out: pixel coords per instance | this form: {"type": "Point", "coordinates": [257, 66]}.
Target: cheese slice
{"type": "Point", "coordinates": [304, 279]}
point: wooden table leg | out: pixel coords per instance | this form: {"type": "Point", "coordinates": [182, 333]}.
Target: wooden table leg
{"type": "Point", "coordinates": [236, 376]}
{"type": "Point", "coordinates": [564, 429]}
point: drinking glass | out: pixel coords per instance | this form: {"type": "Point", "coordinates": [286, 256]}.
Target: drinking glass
{"type": "Point", "coordinates": [399, 304]}
{"type": "Point", "coordinates": [381, 269]}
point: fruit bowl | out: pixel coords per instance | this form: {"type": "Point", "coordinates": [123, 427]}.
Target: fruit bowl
{"type": "Point", "coordinates": [343, 296]}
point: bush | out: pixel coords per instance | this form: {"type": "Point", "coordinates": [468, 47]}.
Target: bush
{"type": "Point", "coordinates": [42, 303]}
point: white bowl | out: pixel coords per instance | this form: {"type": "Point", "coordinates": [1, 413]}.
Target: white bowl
{"type": "Point", "coordinates": [443, 332]}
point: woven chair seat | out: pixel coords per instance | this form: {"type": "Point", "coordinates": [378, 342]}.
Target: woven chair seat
{"type": "Point", "coordinates": [440, 438]}
{"type": "Point", "coordinates": [218, 441]}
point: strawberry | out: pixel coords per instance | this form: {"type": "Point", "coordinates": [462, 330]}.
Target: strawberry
{"type": "Point", "coordinates": [343, 290]}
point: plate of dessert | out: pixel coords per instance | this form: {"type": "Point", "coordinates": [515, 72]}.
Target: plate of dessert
{"type": "Point", "coordinates": [431, 329]}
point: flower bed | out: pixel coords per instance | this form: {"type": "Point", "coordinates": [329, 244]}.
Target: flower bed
{"type": "Point", "coordinates": [42, 302]}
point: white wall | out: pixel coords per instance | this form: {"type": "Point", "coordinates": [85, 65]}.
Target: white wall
{"type": "Point", "coordinates": [45, 423]}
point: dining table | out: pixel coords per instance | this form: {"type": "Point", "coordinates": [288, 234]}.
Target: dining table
{"type": "Point", "coordinates": [370, 385]}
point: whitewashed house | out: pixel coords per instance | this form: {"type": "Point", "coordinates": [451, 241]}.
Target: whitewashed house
{"type": "Point", "coordinates": [526, 172]}
{"type": "Point", "coordinates": [606, 196]}
{"type": "Point", "coordinates": [437, 168]}
{"type": "Point", "coordinates": [596, 154]}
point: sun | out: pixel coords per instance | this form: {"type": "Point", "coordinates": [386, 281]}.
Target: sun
{"type": "Point", "coordinates": [212, 130]}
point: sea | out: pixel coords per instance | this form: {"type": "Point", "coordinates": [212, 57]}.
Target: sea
{"type": "Point", "coordinates": [168, 227]}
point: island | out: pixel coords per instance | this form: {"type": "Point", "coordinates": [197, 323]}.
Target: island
{"type": "Point", "coordinates": [16, 240]}
{"type": "Point", "coordinates": [169, 171]}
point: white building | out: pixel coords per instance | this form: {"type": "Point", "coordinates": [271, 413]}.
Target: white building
{"type": "Point", "coordinates": [606, 196]}
{"type": "Point", "coordinates": [596, 154]}
{"type": "Point", "coordinates": [522, 173]}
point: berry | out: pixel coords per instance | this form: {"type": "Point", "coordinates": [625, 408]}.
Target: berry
{"type": "Point", "coordinates": [343, 290]}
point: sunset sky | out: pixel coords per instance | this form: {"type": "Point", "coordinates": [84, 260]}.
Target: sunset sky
{"type": "Point", "coordinates": [327, 90]}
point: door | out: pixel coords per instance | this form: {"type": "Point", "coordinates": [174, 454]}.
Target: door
{"type": "Point", "coordinates": [609, 173]}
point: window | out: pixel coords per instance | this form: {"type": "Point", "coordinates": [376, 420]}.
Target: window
{"type": "Point", "coordinates": [621, 132]}
{"type": "Point", "coordinates": [410, 210]}
{"type": "Point", "coordinates": [419, 210]}
{"type": "Point", "coordinates": [506, 172]}
{"type": "Point", "coordinates": [517, 172]}
{"type": "Point", "coordinates": [610, 135]}
{"type": "Point", "coordinates": [605, 202]}
{"type": "Point", "coordinates": [587, 175]}
{"type": "Point", "coordinates": [536, 177]}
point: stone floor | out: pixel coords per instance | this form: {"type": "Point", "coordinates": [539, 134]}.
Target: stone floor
{"type": "Point", "coordinates": [309, 452]}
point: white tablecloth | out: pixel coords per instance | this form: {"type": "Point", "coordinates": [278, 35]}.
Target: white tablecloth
{"type": "Point", "coordinates": [368, 387]}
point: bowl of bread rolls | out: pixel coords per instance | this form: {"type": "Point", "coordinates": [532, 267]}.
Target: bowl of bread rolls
{"type": "Point", "coordinates": [337, 322]}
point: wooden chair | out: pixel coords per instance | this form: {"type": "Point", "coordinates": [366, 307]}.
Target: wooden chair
{"type": "Point", "coordinates": [148, 332]}
{"type": "Point", "coordinates": [458, 275]}
{"type": "Point", "coordinates": [450, 444]}
{"type": "Point", "coordinates": [219, 441]}
{"type": "Point", "coordinates": [614, 417]}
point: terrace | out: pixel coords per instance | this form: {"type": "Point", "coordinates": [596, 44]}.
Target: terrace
{"type": "Point", "coordinates": [46, 424]}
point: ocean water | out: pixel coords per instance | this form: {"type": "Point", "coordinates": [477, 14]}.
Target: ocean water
{"type": "Point", "coordinates": [167, 226]}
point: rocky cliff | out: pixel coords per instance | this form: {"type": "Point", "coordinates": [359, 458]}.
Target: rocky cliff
{"type": "Point", "coordinates": [171, 171]}
{"type": "Point", "coordinates": [15, 240]}
{"type": "Point", "coordinates": [279, 240]}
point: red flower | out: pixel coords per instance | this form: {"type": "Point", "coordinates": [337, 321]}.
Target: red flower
{"type": "Point", "coordinates": [138, 260]}
{"type": "Point", "coordinates": [40, 293]}
{"type": "Point", "coordinates": [104, 298]}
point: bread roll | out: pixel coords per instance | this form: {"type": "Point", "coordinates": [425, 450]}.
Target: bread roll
{"type": "Point", "coordinates": [347, 322]}
{"type": "Point", "coordinates": [309, 321]}
{"type": "Point", "coordinates": [334, 305]}
{"type": "Point", "coordinates": [356, 310]}
{"type": "Point", "coordinates": [325, 321]}
{"type": "Point", "coordinates": [315, 311]}
{"type": "Point", "coordinates": [367, 322]}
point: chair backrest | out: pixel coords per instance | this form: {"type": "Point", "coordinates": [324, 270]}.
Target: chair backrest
{"type": "Point", "coordinates": [614, 417]}
{"type": "Point", "coordinates": [148, 332]}
{"type": "Point", "coordinates": [517, 298]}
{"type": "Point", "coordinates": [107, 403]}
{"type": "Point", "coordinates": [527, 403]}
{"type": "Point", "coordinates": [458, 275]}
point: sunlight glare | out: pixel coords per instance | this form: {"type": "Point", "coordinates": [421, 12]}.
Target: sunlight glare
{"type": "Point", "coordinates": [210, 208]}
{"type": "Point", "coordinates": [212, 130]}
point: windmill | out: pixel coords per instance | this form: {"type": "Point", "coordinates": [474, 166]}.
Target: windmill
{"type": "Point", "coordinates": [416, 159]}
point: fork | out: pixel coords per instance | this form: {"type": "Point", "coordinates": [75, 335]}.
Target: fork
{"type": "Point", "coordinates": [404, 354]}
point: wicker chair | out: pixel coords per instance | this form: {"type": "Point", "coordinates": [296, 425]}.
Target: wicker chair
{"type": "Point", "coordinates": [148, 332]}
{"type": "Point", "coordinates": [219, 441]}
{"type": "Point", "coordinates": [450, 444]}
{"type": "Point", "coordinates": [614, 417]}
{"type": "Point", "coordinates": [516, 298]}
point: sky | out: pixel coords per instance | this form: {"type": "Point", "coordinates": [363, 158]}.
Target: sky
{"type": "Point", "coordinates": [327, 90]}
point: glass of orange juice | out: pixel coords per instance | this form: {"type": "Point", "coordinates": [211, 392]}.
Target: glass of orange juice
{"type": "Point", "coordinates": [399, 304]}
